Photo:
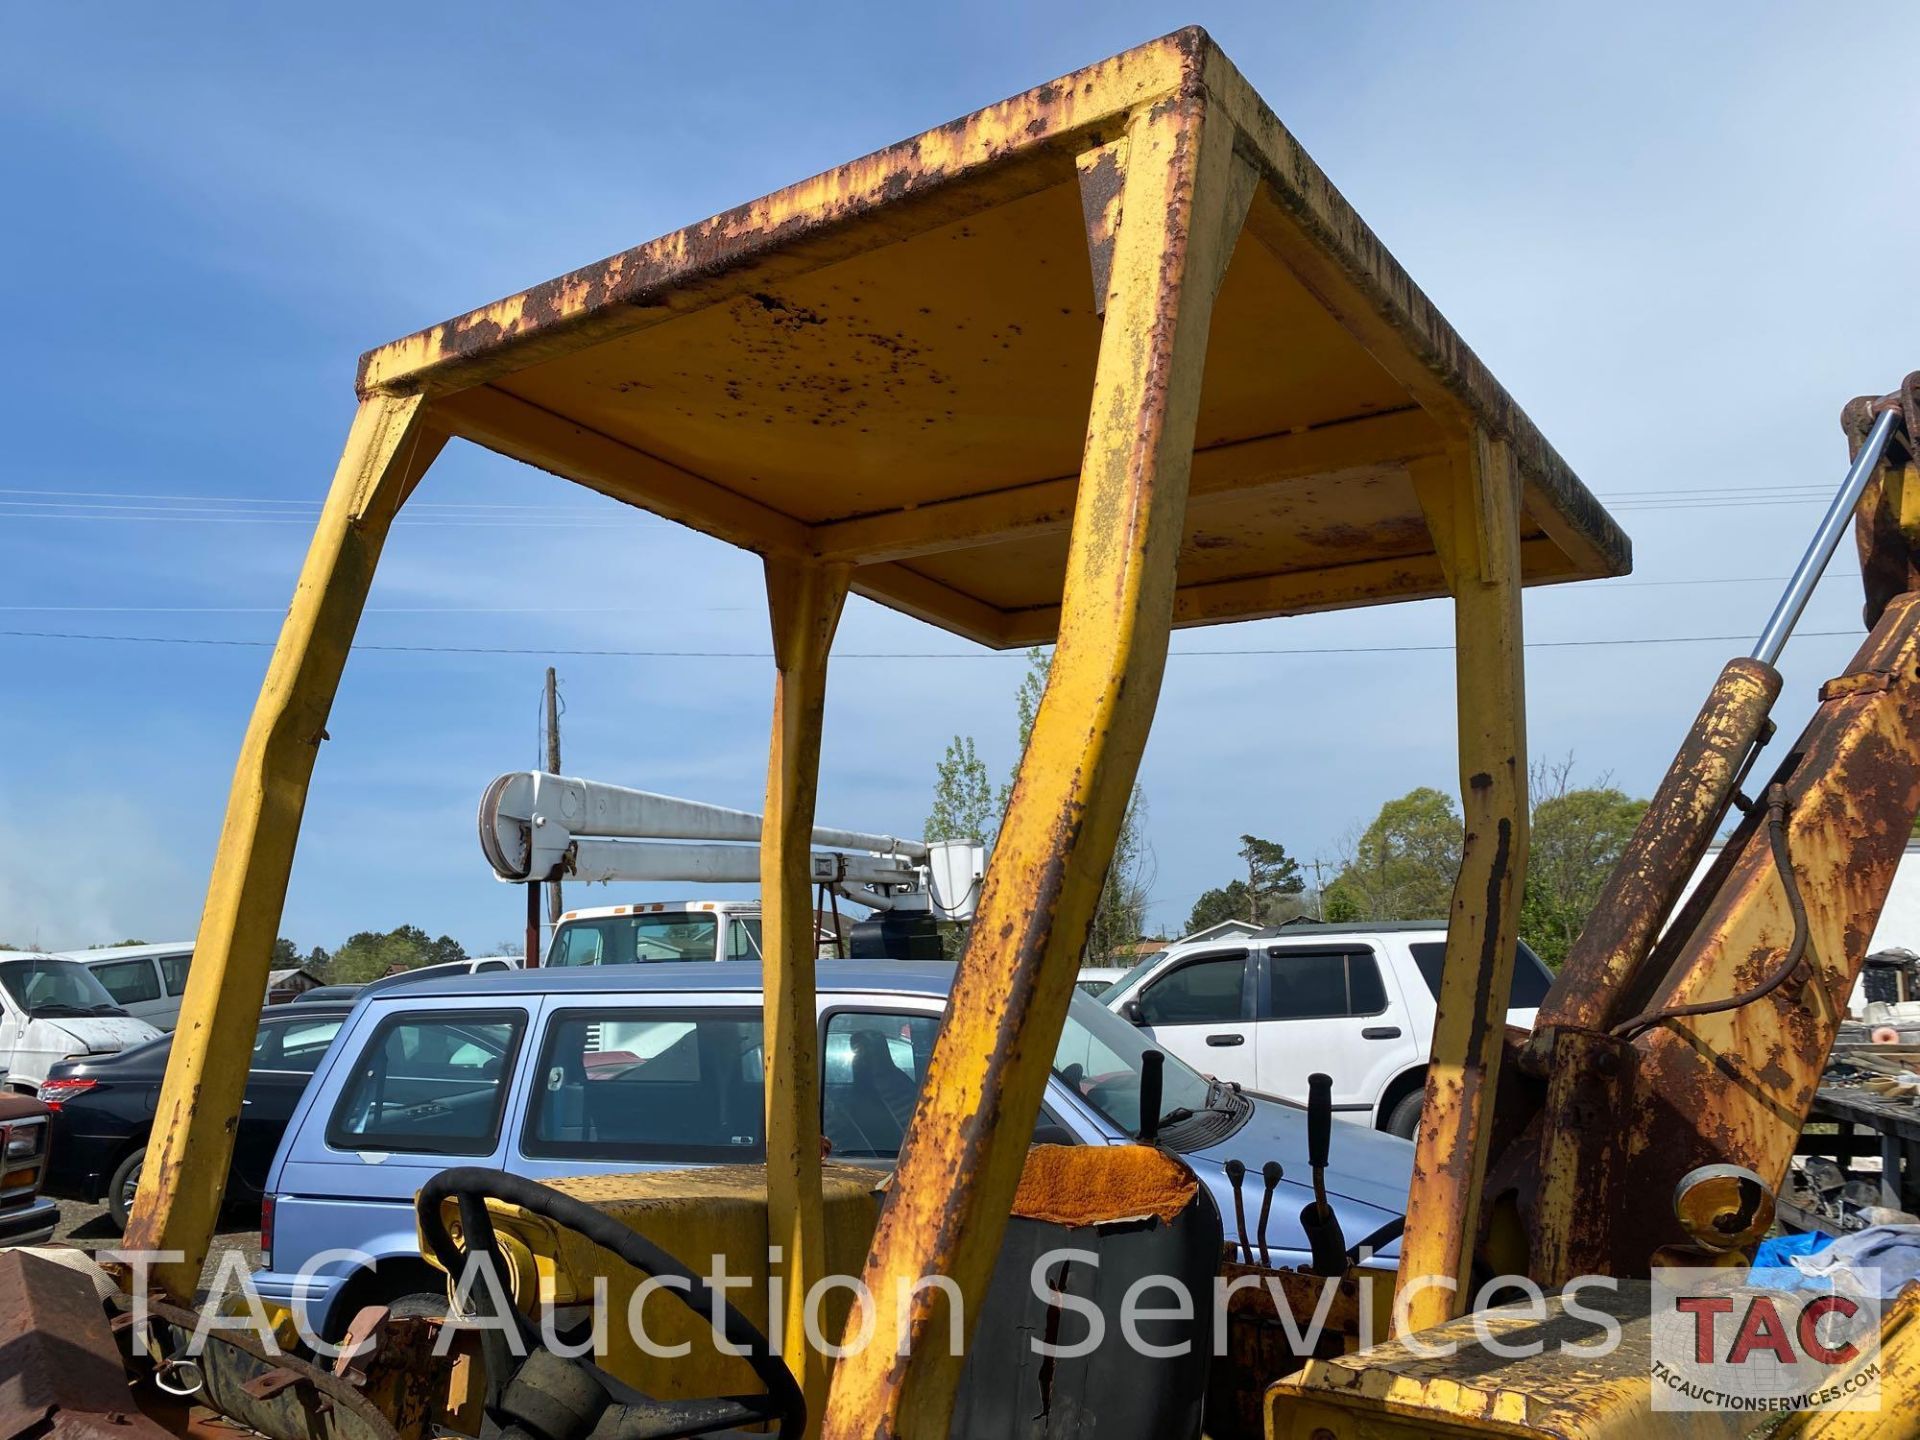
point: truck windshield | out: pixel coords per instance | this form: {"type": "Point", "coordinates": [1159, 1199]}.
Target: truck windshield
{"type": "Point", "coordinates": [1098, 1057]}
{"type": "Point", "coordinates": [636, 939]}
{"type": "Point", "coordinates": [42, 985]}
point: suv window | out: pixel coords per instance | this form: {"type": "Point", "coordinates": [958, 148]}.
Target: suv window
{"type": "Point", "coordinates": [129, 981]}
{"type": "Point", "coordinates": [1531, 978]}
{"type": "Point", "coordinates": [1201, 992]}
{"type": "Point", "coordinates": [293, 1045]}
{"type": "Point", "coordinates": [676, 1085]}
{"type": "Point", "coordinates": [429, 1084]}
{"type": "Point", "coordinates": [1318, 984]}
{"type": "Point", "coordinates": [173, 970]}
{"type": "Point", "coordinates": [874, 1065]}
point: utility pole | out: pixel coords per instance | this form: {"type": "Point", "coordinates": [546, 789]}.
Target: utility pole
{"type": "Point", "coordinates": [1319, 892]}
{"type": "Point", "coordinates": [554, 902]}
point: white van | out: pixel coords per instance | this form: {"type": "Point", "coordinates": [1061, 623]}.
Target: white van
{"type": "Point", "coordinates": [146, 981]}
{"type": "Point", "coordinates": [1356, 1002]}
{"type": "Point", "coordinates": [52, 1009]}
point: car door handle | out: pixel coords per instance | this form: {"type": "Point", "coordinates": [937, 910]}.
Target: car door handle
{"type": "Point", "coordinates": [1380, 1032]}
{"type": "Point", "coordinates": [1225, 1040]}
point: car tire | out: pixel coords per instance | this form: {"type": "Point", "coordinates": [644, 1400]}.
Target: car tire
{"type": "Point", "coordinates": [1404, 1119]}
{"type": "Point", "coordinates": [419, 1305]}
{"type": "Point", "coordinates": [126, 1177]}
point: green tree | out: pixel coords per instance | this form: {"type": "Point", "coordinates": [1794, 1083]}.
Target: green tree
{"type": "Point", "coordinates": [286, 955]}
{"type": "Point", "coordinates": [1121, 913]}
{"type": "Point", "coordinates": [1226, 902]}
{"type": "Point", "coordinates": [369, 954]}
{"type": "Point", "coordinates": [1272, 877]}
{"type": "Point", "coordinates": [1403, 865]}
{"type": "Point", "coordinates": [964, 805]}
{"type": "Point", "coordinates": [1270, 895]}
{"type": "Point", "coordinates": [1578, 835]}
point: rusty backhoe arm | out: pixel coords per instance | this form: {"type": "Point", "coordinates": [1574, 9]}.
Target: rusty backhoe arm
{"type": "Point", "coordinates": [1665, 1045]}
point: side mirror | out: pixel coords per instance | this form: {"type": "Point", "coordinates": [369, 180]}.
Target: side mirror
{"type": "Point", "coordinates": [1131, 1011]}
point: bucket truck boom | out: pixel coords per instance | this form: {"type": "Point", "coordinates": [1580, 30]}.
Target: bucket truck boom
{"type": "Point", "coordinates": [535, 827]}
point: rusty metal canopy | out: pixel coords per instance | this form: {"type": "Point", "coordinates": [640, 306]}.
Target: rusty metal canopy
{"type": "Point", "coordinates": [891, 363]}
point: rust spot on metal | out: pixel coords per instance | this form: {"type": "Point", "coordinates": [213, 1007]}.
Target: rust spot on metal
{"type": "Point", "coordinates": [1102, 178]}
{"type": "Point", "coordinates": [1079, 1185]}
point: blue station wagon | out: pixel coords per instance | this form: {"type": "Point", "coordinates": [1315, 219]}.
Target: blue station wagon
{"type": "Point", "coordinates": [552, 1073]}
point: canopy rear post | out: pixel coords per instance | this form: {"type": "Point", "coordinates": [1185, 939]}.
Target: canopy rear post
{"type": "Point", "coordinates": [804, 601]}
{"type": "Point", "coordinates": [1184, 198]}
{"type": "Point", "coordinates": [387, 451]}
{"type": "Point", "coordinates": [1472, 504]}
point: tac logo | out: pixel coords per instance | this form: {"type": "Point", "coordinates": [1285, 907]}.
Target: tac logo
{"type": "Point", "coordinates": [1763, 1341]}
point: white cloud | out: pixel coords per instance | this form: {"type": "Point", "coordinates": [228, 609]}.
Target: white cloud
{"type": "Point", "coordinates": [84, 868]}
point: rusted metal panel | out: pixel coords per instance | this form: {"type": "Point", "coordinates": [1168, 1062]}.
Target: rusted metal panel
{"type": "Point", "coordinates": [1887, 524]}
{"type": "Point", "coordinates": [1896, 1366]}
{"type": "Point", "coordinates": [1182, 206]}
{"type": "Point", "coordinates": [1734, 1085]}
{"type": "Point", "coordinates": [1452, 1385]}
{"type": "Point", "coordinates": [1472, 507]}
{"type": "Point", "coordinates": [804, 602]}
{"type": "Point", "coordinates": [182, 1183]}
{"type": "Point", "coordinates": [60, 1367]}
{"type": "Point", "coordinates": [1666, 846]}
{"type": "Point", "coordinates": [774, 375]}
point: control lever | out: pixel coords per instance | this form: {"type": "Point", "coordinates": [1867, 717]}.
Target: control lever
{"type": "Point", "coordinates": [1153, 1083]}
{"type": "Point", "coordinates": [1236, 1172]}
{"type": "Point", "coordinates": [1324, 1236]}
{"type": "Point", "coordinates": [1271, 1173]}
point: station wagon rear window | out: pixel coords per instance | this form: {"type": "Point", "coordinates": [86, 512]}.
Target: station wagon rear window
{"type": "Point", "coordinates": [674, 1085]}
{"type": "Point", "coordinates": [429, 1084]}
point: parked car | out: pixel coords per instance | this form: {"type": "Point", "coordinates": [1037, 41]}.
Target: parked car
{"type": "Point", "coordinates": [103, 1108]}
{"type": "Point", "coordinates": [1098, 979]}
{"type": "Point", "coordinates": [26, 1216]}
{"type": "Point", "coordinates": [1267, 1010]}
{"type": "Point", "coordinates": [595, 1070]}
{"type": "Point", "coordinates": [146, 981]}
{"type": "Point", "coordinates": [474, 965]}
{"type": "Point", "coordinates": [51, 1009]}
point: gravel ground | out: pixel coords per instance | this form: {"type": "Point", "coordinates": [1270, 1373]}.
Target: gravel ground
{"type": "Point", "coordinates": [89, 1228]}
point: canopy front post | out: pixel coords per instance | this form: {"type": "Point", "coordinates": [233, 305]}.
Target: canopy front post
{"type": "Point", "coordinates": [1183, 196]}
{"type": "Point", "coordinates": [1472, 506]}
{"type": "Point", "coordinates": [804, 601]}
{"type": "Point", "coordinates": [387, 451]}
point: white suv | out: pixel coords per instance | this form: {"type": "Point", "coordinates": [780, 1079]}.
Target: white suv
{"type": "Point", "coordinates": [1268, 1010]}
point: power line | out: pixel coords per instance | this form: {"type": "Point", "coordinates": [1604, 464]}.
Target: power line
{"type": "Point", "coordinates": [895, 654]}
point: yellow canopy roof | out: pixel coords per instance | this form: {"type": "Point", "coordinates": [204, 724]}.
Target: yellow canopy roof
{"type": "Point", "coordinates": [891, 364]}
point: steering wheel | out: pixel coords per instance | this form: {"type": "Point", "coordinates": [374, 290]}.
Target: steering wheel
{"type": "Point", "coordinates": [533, 1392]}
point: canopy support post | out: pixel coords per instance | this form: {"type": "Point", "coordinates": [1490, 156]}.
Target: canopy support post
{"type": "Point", "coordinates": [388, 450]}
{"type": "Point", "coordinates": [1472, 507]}
{"type": "Point", "coordinates": [1184, 197]}
{"type": "Point", "coordinates": [804, 601]}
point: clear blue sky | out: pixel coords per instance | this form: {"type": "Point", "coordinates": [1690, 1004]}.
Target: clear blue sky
{"type": "Point", "coordinates": [1659, 226]}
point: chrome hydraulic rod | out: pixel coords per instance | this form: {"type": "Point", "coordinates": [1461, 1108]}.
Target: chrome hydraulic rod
{"type": "Point", "coordinates": [1826, 539]}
